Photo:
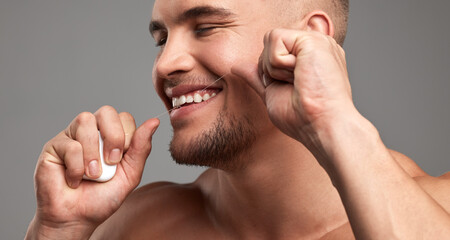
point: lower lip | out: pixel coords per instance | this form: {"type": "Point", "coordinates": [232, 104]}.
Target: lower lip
{"type": "Point", "coordinates": [182, 112]}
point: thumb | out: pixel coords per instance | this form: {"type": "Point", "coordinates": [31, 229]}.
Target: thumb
{"type": "Point", "coordinates": [250, 74]}
{"type": "Point", "coordinates": [134, 159]}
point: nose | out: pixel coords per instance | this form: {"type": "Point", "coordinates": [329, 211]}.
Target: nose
{"type": "Point", "coordinates": [175, 57]}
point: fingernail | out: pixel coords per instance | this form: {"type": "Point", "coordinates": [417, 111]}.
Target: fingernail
{"type": "Point", "coordinates": [93, 168]}
{"type": "Point", "coordinates": [75, 184]}
{"type": "Point", "coordinates": [114, 156]}
{"type": "Point", "coordinates": [265, 79]}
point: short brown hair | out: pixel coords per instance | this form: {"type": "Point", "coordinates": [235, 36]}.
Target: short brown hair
{"type": "Point", "coordinates": [343, 8]}
{"type": "Point", "coordinates": [338, 10]}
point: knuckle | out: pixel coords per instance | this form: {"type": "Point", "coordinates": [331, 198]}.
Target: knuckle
{"type": "Point", "coordinates": [75, 172]}
{"type": "Point", "coordinates": [126, 116]}
{"type": "Point", "coordinates": [48, 146]}
{"type": "Point", "coordinates": [106, 109]}
{"type": "Point", "coordinates": [73, 147]}
{"type": "Point", "coordinates": [84, 118]}
{"type": "Point", "coordinates": [117, 139]}
{"type": "Point", "coordinates": [275, 33]}
{"type": "Point", "coordinates": [48, 151]}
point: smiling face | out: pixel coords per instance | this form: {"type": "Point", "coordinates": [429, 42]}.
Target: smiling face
{"type": "Point", "coordinates": [200, 41]}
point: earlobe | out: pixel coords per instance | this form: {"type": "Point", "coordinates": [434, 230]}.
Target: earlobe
{"type": "Point", "coordinates": [319, 21]}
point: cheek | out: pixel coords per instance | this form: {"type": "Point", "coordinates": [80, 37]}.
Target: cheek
{"type": "Point", "coordinates": [221, 57]}
{"type": "Point", "coordinates": [217, 57]}
{"type": "Point", "coordinates": [222, 53]}
{"type": "Point", "coordinates": [244, 101]}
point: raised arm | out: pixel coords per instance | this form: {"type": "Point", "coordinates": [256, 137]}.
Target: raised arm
{"type": "Point", "coordinates": [303, 80]}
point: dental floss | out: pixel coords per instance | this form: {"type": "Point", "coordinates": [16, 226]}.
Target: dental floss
{"type": "Point", "coordinates": [108, 171]}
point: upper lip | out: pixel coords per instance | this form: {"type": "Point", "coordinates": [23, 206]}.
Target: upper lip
{"type": "Point", "coordinates": [185, 88]}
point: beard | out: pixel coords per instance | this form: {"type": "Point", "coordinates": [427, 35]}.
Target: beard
{"type": "Point", "coordinates": [222, 146]}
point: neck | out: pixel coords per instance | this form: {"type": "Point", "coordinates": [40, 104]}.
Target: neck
{"type": "Point", "coordinates": [281, 193]}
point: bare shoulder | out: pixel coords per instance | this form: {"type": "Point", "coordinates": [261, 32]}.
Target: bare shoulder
{"type": "Point", "coordinates": [407, 164]}
{"type": "Point", "coordinates": [437, 187]}
{"type": "Point", "coordinates": [154, 210]}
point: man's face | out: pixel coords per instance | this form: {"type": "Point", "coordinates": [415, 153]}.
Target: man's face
{"type": "Point", "coordinates": [199, 42]}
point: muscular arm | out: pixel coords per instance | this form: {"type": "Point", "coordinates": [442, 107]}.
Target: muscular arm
{"type": "Point", "coordinates": [302, 78]}
{"type": "Point", "coordinates": [382, 201]}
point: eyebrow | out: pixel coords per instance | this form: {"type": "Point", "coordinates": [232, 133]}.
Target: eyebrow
{"type": "Point", "coordinates": [196, 12]}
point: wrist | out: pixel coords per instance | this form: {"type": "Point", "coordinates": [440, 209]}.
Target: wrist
{"type": "Point", "coordinates": [336, 141]}
{"type": "Point", "coordinates": [45, 231]}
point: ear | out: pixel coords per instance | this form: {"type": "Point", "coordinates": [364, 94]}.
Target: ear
{"type": "Point", "coordinates": [319, 21]}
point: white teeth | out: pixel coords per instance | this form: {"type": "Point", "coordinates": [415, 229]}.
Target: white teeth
{"type": "Point", "coordinates": [197, 98]}
{"type": "Point", "coordinates": [181, 100]}
{"type": "Point", "coordinates": [189, 99]}
{"type": "Point", "coordinates": [174, 102]}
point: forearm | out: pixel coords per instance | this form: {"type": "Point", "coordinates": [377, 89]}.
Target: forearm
{"type": "Point", "coordinates": [382, 201]}
{"type": "Point", "coordinates": [38, 230]}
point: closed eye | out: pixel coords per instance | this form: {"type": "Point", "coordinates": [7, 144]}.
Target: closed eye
{"type": "Point", "coordinates": [161, 39]}
{"type": "Point", "coordinates": [203, 30]}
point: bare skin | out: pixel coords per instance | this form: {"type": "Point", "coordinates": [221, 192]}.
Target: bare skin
{"type": "Point", "coordinates": [153, 211]}
{"type": "Point", "coordinates": [317, 169]}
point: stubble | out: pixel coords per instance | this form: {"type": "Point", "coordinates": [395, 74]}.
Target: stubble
{"type": "Point", "coordinates": [222, 146]}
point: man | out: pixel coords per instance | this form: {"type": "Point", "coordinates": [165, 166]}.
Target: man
{"type": "Point", "coordinates": [290, 156]}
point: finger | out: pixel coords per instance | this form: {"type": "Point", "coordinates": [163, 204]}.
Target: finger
{"type": "Point", "coordinates": [269, 72]}
{"type": "Point", "coordinates": [280, 74]}
{"type": "Point", "coordinates": [84, 130]}
{"type": "Point", "coordinates": [250, 74]}
{"type": "Point", "coordinates": [266, 77]}
{"type": "Point", "coordinates": [278, 52]}
{"type": "Point", "coordinates": [129, 127]}
{"type": "Point", "coordinates": [71, 153]}
{"type": "Point", "coordinates": [134, 159]}
{"type": "Point", "coordinates": [276, 60]}
{"type": "Point", "coordinates": [112, 132]}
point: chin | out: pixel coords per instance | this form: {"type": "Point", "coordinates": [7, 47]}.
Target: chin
{"type": "Point", "coordinates": [223, 144]}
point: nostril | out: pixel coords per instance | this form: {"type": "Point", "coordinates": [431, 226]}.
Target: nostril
{"type": "Point", "coordinates": [176, 72]}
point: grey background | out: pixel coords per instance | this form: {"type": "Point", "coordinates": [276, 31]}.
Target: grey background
{"type": "Point", "coordinates": [61, 57]}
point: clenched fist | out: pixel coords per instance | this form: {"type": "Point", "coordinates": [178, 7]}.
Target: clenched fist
{"type": "Point", "coordinates": [302, 78]}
